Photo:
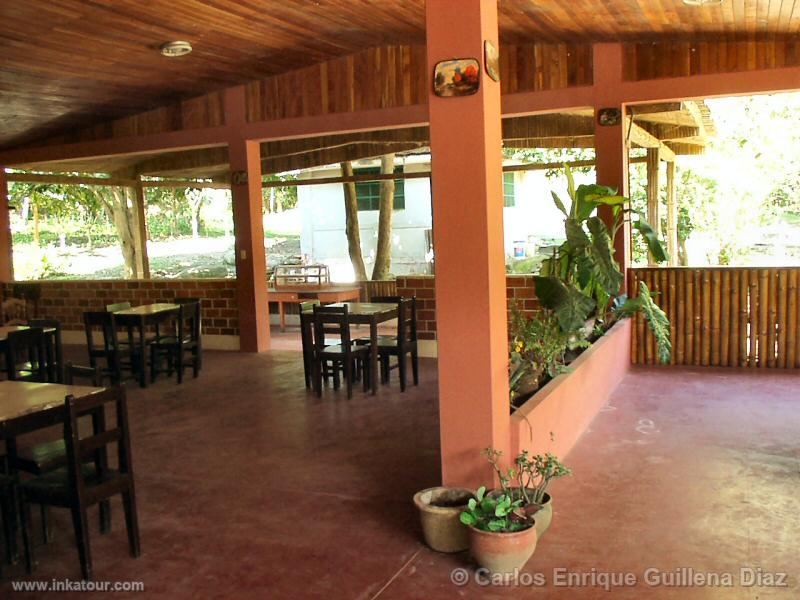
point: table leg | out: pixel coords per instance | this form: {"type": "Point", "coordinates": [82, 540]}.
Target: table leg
{"type": "Point", "coordinates": [373, 359]}
{"type": "Point", "coordinates": [142, 358]}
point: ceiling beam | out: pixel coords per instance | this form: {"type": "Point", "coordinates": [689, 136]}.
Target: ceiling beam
{"type": "Point", "coordinates": [640, 137]}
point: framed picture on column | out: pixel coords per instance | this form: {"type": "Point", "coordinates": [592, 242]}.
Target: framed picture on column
{"type": "Point", "coordinates": [457, 77]}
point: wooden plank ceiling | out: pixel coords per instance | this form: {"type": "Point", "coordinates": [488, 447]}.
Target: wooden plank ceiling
{"type": "Point", "coordinates": [675, 127]}
{"type": "Point", "coordinates": [72, 63]}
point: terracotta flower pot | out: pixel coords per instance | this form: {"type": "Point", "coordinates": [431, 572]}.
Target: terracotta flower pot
{"type": "Point", "coordinates": [502, 552]}
{"type": "Point", "coordinates": [439, 510]}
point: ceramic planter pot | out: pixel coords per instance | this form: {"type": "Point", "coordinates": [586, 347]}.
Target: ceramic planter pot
{"type": "Point", "coordinates": [439, 511]}
{"type": "Point", "coordinates": [502, 552]}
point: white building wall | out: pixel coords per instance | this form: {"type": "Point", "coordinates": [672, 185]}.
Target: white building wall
{"type": "Point", "coordinates": [533, 220]}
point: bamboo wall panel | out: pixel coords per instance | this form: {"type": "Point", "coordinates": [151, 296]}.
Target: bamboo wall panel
{"type": "Point", "coordinates": [680, 59]}
{"type": "Point", "coordinates": [723, 317]}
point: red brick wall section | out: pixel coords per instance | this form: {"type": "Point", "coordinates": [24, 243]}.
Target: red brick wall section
{"type": "Point", "coordinates": [519, 288]}
{"type": "Point", "coordinates": [68, 300]}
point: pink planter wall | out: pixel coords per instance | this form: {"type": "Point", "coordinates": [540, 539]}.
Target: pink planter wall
{"type": "Point", "coordinates": [567, 405]}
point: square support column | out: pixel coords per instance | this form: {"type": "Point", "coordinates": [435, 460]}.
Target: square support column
{"type": "Point", "coordinates": [466, 143]}
{"type": "Point", "coordinates": [251, 259]}
{"type": "Point", "coordinates": [611, 142]}
{"type": "Point", "coordinates": [6, 258]}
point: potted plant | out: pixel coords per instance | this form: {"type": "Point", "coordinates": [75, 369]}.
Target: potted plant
{"type": "Point", "coordinates": [439, 509]}
{"type": "Point", "coordinates": [527, 482]}
{"type": "Point", "coordinates": [502, 536]}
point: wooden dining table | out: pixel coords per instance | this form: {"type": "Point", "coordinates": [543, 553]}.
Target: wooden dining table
{"type": "Point", "coordinates": [26, 405]}
{"type": "Point", "coordinates": [53, 359]}
{"type": "Point", "coordinates": [372, 314]}
{"type": "Point", "coordinates": [140, 317]}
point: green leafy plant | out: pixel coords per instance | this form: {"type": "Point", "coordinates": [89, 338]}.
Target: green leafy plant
{"type": "Point", "coordinates": [581, 278]}
{"type": "Point", "coordinates": [495, 513]}
{"type": "Point", "coordinates": [655, 317]}
{"type": "Point", "coordinates": [527, 480]}
{"type": "Point", "coordinates": [537, 348]}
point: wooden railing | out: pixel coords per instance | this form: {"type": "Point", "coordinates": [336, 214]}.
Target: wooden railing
{"type": "Point", "coordinates": [730, 317]}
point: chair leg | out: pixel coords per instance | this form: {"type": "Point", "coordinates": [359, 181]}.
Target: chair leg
{"type": "Point", "coordinates": [153, 364]}
{"type": "Point", "coordinates": [105, 516]}
{"type": "Point", "coordinates": [347, 366]}
{"type": "Point", "coordinates": [9, 516]}
{"type": "Point", "coordinates": [131, 522]}
{"type": "Point", "coordinates": [25, 526]}
{"type": "Point", "coordinates": [401, 368]}
{"type": "Point", "coordinates": [317, 376]}
{"type": "Point", "coordinates": [336, 380]}
{"type": "Point", "coordinates": [81, 526]}
{"type": "Point", "coordinates": [179, 363]}
{"type": "Point", "coordinates": [415, 366]}
{"type": "Point", "coordinates": [47, 533]}
{"type": "Point", "coordinates": [195, 362]}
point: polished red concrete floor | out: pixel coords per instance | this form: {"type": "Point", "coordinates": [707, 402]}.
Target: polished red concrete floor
{"type": "Point", "coordinates": [251, 488]}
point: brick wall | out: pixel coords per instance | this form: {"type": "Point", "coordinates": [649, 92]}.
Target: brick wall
{"type": "Point", "coordinates": [68, 300]}
{"type": "Point", "coordinates": [519, 288]}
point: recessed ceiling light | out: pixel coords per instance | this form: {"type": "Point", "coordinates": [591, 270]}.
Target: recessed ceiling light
{"type": "Point", "coordinates": [176, 48]}
{"type": "Point", "coordinates": [702, 2]}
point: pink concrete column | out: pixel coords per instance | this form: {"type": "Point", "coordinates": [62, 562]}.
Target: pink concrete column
{"type": "Point", "coordinates": [468, 243]}
{"type": "Point", "coordinates": [6, 258]}
{"type": "Point", "coordinates": [611, 144]}
{"type": "Point", "coordinates": [251, 259]}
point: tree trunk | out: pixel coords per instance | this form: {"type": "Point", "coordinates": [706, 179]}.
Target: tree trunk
{"type": "Point", "coordinates": [195, 223]}
{"type": "Point", "coordinates": [115, 201]}
{"type": "Point", "coordinates": [683, 256]}
{"type": "Point", "coordinates": [383, 252]}
{"type": "Point", "coordinates": [36, 224]}
{"type": "Point", "coordinates": [351, 224]}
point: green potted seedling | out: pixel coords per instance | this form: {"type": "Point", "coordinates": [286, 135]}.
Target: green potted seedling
{"type": "Point", "coordinates": [502, 536]}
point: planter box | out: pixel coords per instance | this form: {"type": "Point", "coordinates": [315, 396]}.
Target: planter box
{"type": "Point", "coordinates": [554, 418]}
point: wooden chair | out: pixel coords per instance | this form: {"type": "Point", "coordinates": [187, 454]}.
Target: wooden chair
{"type": "Point", "coordinates": [10, 507]}
{"type": "Point", "coordinates": [117, 306]}
{"type": "Point", "coordinates": [108, 347]}
{"type": "Point", "coordinates": [344, 356]}
{"type": "Point", "coordinates": [405, 342]}
{"type": "Point", "coordinates": [26, 356]}
{"type": "Point", "coordinates": [173, 348]}
{"type": "Point", "coordinates": [48, 456]}
{"type": "Point", "coordinates": [58, 360]}
{"type": "Point", "coordinates": [307, 338]}
{"type": "Point", "coordinates": [79, 486]}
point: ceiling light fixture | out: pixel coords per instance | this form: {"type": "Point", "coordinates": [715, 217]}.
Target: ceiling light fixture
{"type": "Point", "coordinates": [702, 2]}
{"type": "Point", "coordinates": [175, 49]}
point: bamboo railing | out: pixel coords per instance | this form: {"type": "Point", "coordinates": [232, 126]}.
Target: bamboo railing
{"type": "Point", "coordinates": [723, 316]}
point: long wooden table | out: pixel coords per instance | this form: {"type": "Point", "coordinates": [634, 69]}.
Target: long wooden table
{"type": "Point", "coordinates": [139, 317]}
{"type": "Point", "coordinates": [325, 294]}
{"type": "Point", "coordinates": [372, 314]}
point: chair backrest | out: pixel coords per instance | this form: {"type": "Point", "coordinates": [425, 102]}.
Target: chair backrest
{"type": "Point", "coordinates": [334, 320]}
{"type": "Point", "coordinates": [406, 315]}
{"type": "Point", "coordinates": [27, 344]}
{"type": "Point", "coordinates": [117, 306]}
{"type": "Point", "coordinates": [53, 324]}
{"type": "Point", "coordinates": [104, 321]}
{"type": "Point", "coordinates": [189, 320]}
{"type": "Point", "coordinates": [73, 372]}
{"type": "Point", "coordinates": [15, 311]}
{"type": "Point", "coordinates": [95, 447]}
